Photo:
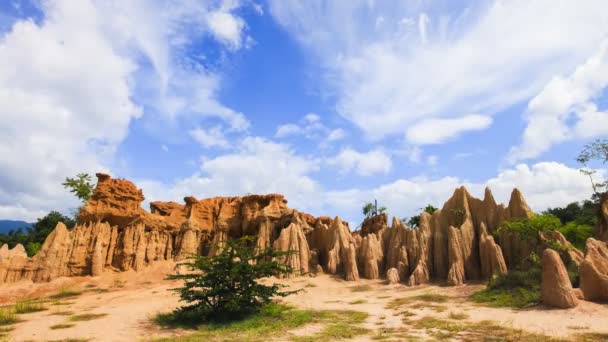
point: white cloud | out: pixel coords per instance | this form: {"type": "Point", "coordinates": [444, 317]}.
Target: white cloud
{"type": "Point", "coordinates": [544, 185]}
{"type": "Point", "coordinates": [336, 134]}
{"type": "Point", "coordinates": [362, 163]}
{"type": "Point", "coordinates": [311, 127]}
{"type": "Point", "coordinates": [258, 166]}
{"type": "Point", "coordinates": [564, 109]}
{"type": "Point", "coordinates": [435, 131]}
{"type": "Point", "coordinates": [71, 84]}
{"type": "Point", "coordinates": [227, 28]}
{"type": "Point", "coordinates": [481, 57]}
{"type": "Point", "coordinates": [287, 130]}
{"type": "Point", "coordinates": [212, 137]}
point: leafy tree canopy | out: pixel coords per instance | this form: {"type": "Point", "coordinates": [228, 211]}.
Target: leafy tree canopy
{"type": "Point", "coordinates": [33, 237]}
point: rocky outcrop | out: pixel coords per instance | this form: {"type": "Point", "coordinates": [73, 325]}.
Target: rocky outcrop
{"type": "Point", "coordinates": [490, 255]}
{"type": "Point", "coordinates": [556, 289]}
{"type": "Point", "coordinates": [392, 276]}
{"type": "Point", "coordinates": [593, 271]}
{"type": "Point", "coordinates": [113, 233]}
{"type": "Point", "coordinates": [371, 257]}
{"type": "Point", "coordinates": [602, 224]}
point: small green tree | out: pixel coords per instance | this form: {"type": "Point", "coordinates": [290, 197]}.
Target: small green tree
{"type": "Point", "coordinates": [414, 221]}
{"type": "Point", "coordinates": [80, 186]}
{"type": "Point", "coordinates": [225, 286]}
{"type": "Point", "coordinates": [597, 150]}
{"type": "Point", "coordinates": [368, 209]}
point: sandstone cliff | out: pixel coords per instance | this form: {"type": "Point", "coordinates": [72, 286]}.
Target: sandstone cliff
{"type": "Point", "coordinates": [458, 243]}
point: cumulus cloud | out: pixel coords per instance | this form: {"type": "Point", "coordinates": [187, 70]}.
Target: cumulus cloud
{"type": "Point", "coordinates": [72, 82]}
{"type": "Point", "coordinates": [212, 137]}
{"type": "Point", "coordinates": [257, 166]}
{"type": "Point", "coordinates": [423, 62]}
{"type": "Point", "coordinates": [435, 131]}
{"type": "Point", "coordinates": [565, 108]}
{"type": "Point", "coordinates": [362, 163]}
{"type": "Point", "coordinates": [310, 127]}
{"type": "Point", "coordinates": [544, 185]}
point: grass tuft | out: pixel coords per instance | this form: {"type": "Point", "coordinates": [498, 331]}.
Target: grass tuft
{"type": "Point", "coordinates": [86, 317]}
{"type": "Point", "coordinates": [8, 316]}
{"type": "Point", "coordinates": [361, 288]}
{"type": "Point", "coordinates": [66, 293]}
{"type": "Point", "coordinates": [62, 326]}
{"type": "Point", "coordinates": [29, 306]}
{"type": "Point", "coordinates": [458, 315]}
{"type": "Point", "coordinates": [358, 301]}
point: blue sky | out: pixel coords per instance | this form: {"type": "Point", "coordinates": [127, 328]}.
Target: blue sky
{"type": "Point", "coordinates": [332, 103]}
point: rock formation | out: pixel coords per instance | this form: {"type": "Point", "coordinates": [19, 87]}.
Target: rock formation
{"type": "Point", "coordinates": [593, 271]}
{"type": "Point", "coordinates": [455, 244]}
{"type": "Point", "coordinates": [556, 289]}
{"type": "Point", "coordinates": [602, 226]}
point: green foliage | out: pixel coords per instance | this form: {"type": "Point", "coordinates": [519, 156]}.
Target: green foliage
{"type": "Point", "coordinates": [272, 321]}
{"type": "Point", "coordinates": [597, 150]}
{"type": "Point", "coordinates": [518, 288]}
{"type": "Point", "coordinates": [583, 213]}
{"type": "Point", "coordinates": [368, 209]}
{"type": "Point", "coordinates": [577, 234]}
{"type": "Point", "coordinates": [459, 216]}
{"type": "Point", "coordinates": [225, 286]}
{"type": "Point", "coordinates": [33, 237]}
{"type": "Point", "coordinates": [80, 186]}
{"type": "Point", "coordinates": [414, 221]}
{"type": "Point", "coordinates": [528, 228]}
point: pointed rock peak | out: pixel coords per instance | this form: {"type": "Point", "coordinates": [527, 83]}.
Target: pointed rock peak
{"type": "Point", "coordinates": [488, 197]}
{"type": "Point", "coordinates": [61, 228]}
{"type": "Point", "coordinates": [396, 223]}
{"type": "Point", "coordinates": [190, 200]}
{"type": "Point", "coordinates": [4, 251]}
{"type": "Point", "coordinates": [102, 177]}
{"type": "Point", "coordinates": [18, 250]}
{"type": "Point", "coordinates": [518, 206]}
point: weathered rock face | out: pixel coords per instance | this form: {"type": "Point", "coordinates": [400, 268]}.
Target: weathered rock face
{"type": "Point", "coordinates": [593, 271]}
{"type": "Point", "coordinates": [490, 255]}
{"type": "Point", "coordinates": [556, 288]}
{"type": "Point", "coordinates": [602, 228]}
{"type": "Point", "coordinates": [113, 233]}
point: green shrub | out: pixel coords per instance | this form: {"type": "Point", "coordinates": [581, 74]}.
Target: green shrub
{"type": "Point", "coordinates": [225, 286]}
{"type": "Point", "coordinates": [576, 233]}
{"type": "Point", "coordinates": [518, 288]}
{"type": "Point", "coordinates": [528, 228]}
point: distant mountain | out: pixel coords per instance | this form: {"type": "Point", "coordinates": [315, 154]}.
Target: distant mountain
{"type": "Point", "coordinates": [6, 225]}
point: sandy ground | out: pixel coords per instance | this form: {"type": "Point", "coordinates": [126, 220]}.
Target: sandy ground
{"type": "Point", "coordinates": [130, 299]}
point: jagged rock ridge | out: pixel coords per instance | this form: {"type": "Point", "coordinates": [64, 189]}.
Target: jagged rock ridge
{"type": "Point", "coordinates": [454, 245]}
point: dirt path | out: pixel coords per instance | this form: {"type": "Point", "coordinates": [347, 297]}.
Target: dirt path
{"type": "Point", "coordinates": [130, 300]}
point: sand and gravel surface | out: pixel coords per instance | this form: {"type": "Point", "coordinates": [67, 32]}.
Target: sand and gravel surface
{"type": "Point", "coordinates": [126, 302]}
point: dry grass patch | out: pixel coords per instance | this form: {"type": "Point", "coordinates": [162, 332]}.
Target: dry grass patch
{"type": "Point", "coordinates": [361, 288]}
{"type": "Point", "coordinates": [61, 313]}
{"type": "Point", "coordinates": [66, 293]}
{"type": "Point", "coordinates": [8, 316]}
{"type": "Point", "coordinates": [29, 306]}
{"type": "Point", "coordinates": [478, 331]}
{"type": "Point", "coordinates": [62, 326]}
{"type": "Point", "coordinates": [277, 320]}
{"type": "Point", "coordinates": [458, 315]}
{"type": "Point", "coordinates": [86, 317]}
{"type": "Point", "coordinates": [358, 301]}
